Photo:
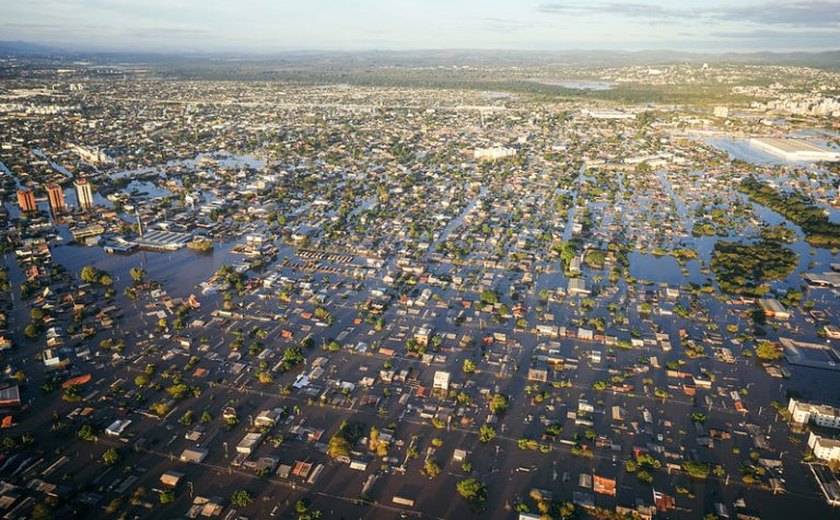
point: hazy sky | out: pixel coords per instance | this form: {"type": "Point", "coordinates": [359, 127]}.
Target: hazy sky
{"type": "Point", "coordinates": [274, 25]}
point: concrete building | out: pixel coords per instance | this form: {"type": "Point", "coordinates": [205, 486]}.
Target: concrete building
{"type": "Point", "coordinates": [794, 149]}
{"type": "Point", "coordinates": [493, 154]}
{"type": "Point", "coordinates": [824, 448]}
{"type": "Point", "coordinates": [56, 196]}
{"type": "Point", "coordinates": [819, 414]}
{"type": "Point", "coordinates": [84, 193]}
{"type": "Point", "coordinates": [441, 381]}
{"type": "Point", "coordinates": [773, 308]}
{"type": "Point", "coordinates": [26, 200]}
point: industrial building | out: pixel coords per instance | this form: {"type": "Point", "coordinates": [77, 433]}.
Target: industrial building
{"type": "Point", "coordinates": [794, 150]}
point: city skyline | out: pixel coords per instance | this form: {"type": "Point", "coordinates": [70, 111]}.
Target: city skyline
{"type": "Point", "coordinates": [258, 26]}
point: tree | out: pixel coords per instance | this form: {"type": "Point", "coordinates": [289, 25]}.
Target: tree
{"type": "Point", "coordinates": [768, 351]}
{"type": "Point", "coordinates": [431, 468]}
{"type": "Point", "coordinates": [89, 274]}
{"type": "Point", "coordinates": [498, 403]}
{"type": "Point", "coordinates": [489, 297]}
{"type": "Point", "coordinates": [473, 491]}
{"type": "Point", "coordinates": [141, 380]}
{"type": "Point", "coordinates": [206, 417]}
{"type": "Point", "coordinates": [241, 498]}
{"type": "Point", "coordinates": [167, 496]}
{"type": "Point", "coordinates": [469, 366]}
{"type": "Point", "coordinates": [87, 433]}
{"type": "Point", "coordinates": [137, 274]}
{"type": "Point", "coordinates": [178, 391]}
{"type": "Point", "coordinates": [111, 457]}
{"type": "Point", "coordinates": [42, 511]}
{"type": "Point", "coordinates": [31, 331]}
{"type": "Point", "coordinates": [696, 469]}
{"type": "Point", "coordinates": [486, 434]}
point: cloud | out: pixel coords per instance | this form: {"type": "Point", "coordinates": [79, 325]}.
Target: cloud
{"type": "Point", "coordinates": [770, 34]}
{"type": "Point", "coordinates": [505, 25]}
{"type": "Point", "coordinates": [621, 9]}
{"type": "Point", "coordinates": [809, 13]}
{"type": "Point", "coordinates": [796, 14]}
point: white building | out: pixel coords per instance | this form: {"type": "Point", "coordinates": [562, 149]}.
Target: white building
{"type": "Point", "coordinates": [819, 414]}
{"type": "Point", "coordinates": [824, 449]}
{"type": "Point", "coordinates": [441, 381]}
{"type": "Point", "coordinates": [84, 193]}
{"type": "Point", "coordinates": [794, 149]}
{"type": "Point", "coordinates": [494, 153]}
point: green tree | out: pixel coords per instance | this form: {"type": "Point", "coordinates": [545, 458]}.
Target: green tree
{"type": "Point", "coordinates": [469, 366]}
{"type": "Point", "coordinates": [498, 403]}
{"type": "Point", "coordinates": [87, 433]}
{"type": "Point", "coordinates": [89, 274]}
{"type": "Point", "coordinates": [472, 490]}
{"type": "Point", "coordinates": [137, 274]}
{"type": "Point", "coordinates": [241, 498]}
{"type": "Point", "coordinates": [768, 351]}
{"type": "Point", "coordinates": [486, 433]}
{"type": "Point", "coordinates": [111, 457]}
{"type": "Point", "coordinates": [431, 468]}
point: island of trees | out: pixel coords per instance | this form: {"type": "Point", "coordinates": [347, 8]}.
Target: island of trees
{"type": "Point", "coordinates": [797, 208]}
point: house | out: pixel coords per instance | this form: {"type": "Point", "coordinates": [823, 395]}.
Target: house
{"type": "Point", "coordinates": [10, 397]}
{"type": "Point", "coordinates": [193, 455]}
{"type": "Point", "coordinates": [538, 372]}
{"type": "Point", "coordinates": [117, 427]}
{"type": "Point", "coordinates": [267, 418]}
{"type": "Point", "coordinates": [578, 286]}
{"type": "Point", "coordinates": [171, 478]}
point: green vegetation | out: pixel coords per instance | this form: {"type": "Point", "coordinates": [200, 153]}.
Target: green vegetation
{"type": "Point", "coordinates": [342, 442]}
{"type": "Point", "coordinates": [111, 457]}
{"type": "Point", "coordinates": [768, 351]}
{"type": "Point", "coordinates": [489, 297]}
{"type": "Point", "coordinates": [486, 434]}
{"type": "Point", "coordinates": [241, 498]}
{"type": "Point", "coordinates": [743, 268]}
{"type": "Point", "coordinates": [472, 490]}
{"type": "Point", "coordinates": [797, 208]}
{"type": "Point", "coordinates": [696, 469]}
{"type": "Point", "coordinates": [498, 403]}
{"type": "Point", "coordinates": [431, 468]}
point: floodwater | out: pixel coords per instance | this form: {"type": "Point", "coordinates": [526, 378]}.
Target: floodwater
{"type": "Point", "coordinates": [664, 269]}
{"type": "Point", "coordinates": [578, 84]}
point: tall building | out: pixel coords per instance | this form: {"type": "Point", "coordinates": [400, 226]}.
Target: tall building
{"type": "Point", "coordinates": [84, 193]}
{"type": "Point", "coordinates": [26, 200]}
{"type": "Point", "coordinates": [56, 196]}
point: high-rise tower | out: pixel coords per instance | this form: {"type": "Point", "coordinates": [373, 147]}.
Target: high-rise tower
{"type": "Point", "coordinates": [84, 193]}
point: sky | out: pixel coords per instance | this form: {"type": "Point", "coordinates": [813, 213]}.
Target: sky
{"type": "Point", "coordinates": [265, 26]}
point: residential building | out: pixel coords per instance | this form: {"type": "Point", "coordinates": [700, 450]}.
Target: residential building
{"type": "Point", "coordinates": [56, 197]}
{"type": "Point", "coordinates": [824, 448]}
{"type": "Point", "coordinates": [819, 414]}
{"type": "Point", "coordinates": [26, 200]}
{"type": "Point", "coordinates": [84, 193]}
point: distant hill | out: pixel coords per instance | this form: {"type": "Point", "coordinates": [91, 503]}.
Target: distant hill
{"type": "Point", "coordinates": [440, 58]}
{"type": "Point", "coordinates": [18, 48]}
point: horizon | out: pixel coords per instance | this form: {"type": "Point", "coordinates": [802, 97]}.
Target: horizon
{"type": "Point", "coordinates": [260, 27]}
